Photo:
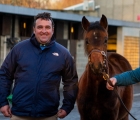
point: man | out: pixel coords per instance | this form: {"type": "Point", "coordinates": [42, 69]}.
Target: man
{"type": "Point", "coordinates": [124, 79]}
{"type": "Point", "coordinates": [37, 65]}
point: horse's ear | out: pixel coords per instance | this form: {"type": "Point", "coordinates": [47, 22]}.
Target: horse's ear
{"type": "Point", "coordinates": [103, 22]}
{"type": "Point", "coordinates": [85, 23]}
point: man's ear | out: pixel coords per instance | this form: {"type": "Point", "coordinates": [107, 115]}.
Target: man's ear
{"type": "Point", "coordinates": [53, 30]}
{"type": "Point", "coordinates": [33, 30]}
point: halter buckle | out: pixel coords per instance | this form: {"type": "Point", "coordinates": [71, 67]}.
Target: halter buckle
{"type": "Point", "coordinates": [103, 53]}
{"type": "Point", "coordinates": [105, 76]}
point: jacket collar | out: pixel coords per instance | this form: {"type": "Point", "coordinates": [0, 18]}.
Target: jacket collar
{"type": "Point", "coordinates": [37, 44]}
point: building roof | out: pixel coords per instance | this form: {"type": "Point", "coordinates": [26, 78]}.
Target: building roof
{"type": "Point", "coordinates": [62, 15]}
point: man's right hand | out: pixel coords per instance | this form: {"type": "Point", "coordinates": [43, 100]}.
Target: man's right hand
{"type": "Point", "coordinates": [61, 113]}
{"type": "Point", "coordinates": [113, 80]}
{"type": "Point", "coordinates": [6, 111]}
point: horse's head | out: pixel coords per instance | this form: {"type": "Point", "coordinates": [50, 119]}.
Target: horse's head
{"type": "Point", "coordinates": [96, 37]}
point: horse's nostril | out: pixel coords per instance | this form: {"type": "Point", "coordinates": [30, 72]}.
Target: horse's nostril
{"type": "Point", "coordinates": [96, 68]}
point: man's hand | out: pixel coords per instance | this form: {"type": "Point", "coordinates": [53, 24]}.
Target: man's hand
{"type": "Point", "coordinates": [6, 111]}
{"type": "Point", "coordinates": [61, 113]}
{"type": "Point", "coordinates": [113, 81]}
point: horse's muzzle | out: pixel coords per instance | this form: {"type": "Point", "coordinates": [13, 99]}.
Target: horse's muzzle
{"type": "Point", "coordinates": [96, 69]}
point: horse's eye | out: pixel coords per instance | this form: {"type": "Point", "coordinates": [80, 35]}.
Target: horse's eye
{"type": "Point", "coordinates": [106, 40]}
{"type": "Point", "coordinates": [86, 41]}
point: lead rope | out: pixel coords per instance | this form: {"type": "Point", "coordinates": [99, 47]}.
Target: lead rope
{"type": "Point", "coordinates": [106, 77]}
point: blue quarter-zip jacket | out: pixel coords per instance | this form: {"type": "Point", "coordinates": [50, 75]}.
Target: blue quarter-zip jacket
{"type": "Point", "coordinates": [37, 74]}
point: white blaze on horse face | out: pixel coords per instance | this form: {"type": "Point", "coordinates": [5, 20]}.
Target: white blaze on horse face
{"type": "Point", "coordinates": [94, 34]}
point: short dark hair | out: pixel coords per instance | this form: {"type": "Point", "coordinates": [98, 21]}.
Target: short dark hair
{"type": "Point", "coordinates": [45, 16]}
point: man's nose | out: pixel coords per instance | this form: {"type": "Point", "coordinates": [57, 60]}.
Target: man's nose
{"type": "Point", "coordinates": [44, 30]}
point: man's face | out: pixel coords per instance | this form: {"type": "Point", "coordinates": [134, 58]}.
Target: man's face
{"type": "Point", "coordinates": [43, 30]}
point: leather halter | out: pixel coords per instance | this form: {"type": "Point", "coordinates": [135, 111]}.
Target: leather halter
{"type": "Point", "coordinates": [105, 64]}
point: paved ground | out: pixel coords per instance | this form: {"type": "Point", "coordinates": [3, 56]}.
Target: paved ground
{"type": "Point", "coordinates": [135, 111]}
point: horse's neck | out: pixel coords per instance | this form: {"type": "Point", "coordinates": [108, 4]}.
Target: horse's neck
{"type": "Point", "coordinates": [93, 82]}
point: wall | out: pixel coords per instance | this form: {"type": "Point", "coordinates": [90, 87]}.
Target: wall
{"type": "Point", "coordinates": [126, 10]}
{"type": "Point", "coordinates": [82, 58]}
{"type": "Point", "coordinates": [131, 50]}
{"type": "Point", "coordinates": [3, 48]}
{"type": "Point", "coordinates": [128, 44]}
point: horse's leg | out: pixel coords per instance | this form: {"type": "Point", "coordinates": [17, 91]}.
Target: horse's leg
{"type": "Point", "coordinates": [82, 113]}
{"type": "Point", "coordinates": [81, 104]}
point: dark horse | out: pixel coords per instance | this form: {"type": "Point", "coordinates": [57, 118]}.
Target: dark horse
{"type": "Point", "coordinates": [94, 100]}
